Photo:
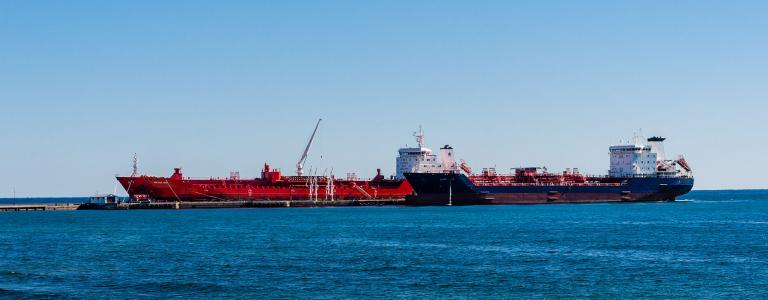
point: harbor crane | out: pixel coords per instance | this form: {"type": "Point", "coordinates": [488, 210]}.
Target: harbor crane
{"type": "Point", "coordinates": [300, 164]}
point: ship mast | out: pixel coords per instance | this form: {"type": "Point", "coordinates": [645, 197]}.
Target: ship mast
{"type": "Point", "coordinates": [300, 164]}
{"type": "Point", "coordinates": [419, 137]}
{"type": "Point", "coordinates": [135, 166]}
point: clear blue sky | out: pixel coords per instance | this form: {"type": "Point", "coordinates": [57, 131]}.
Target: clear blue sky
{"type": "Point", "coordinates": [215, 86]}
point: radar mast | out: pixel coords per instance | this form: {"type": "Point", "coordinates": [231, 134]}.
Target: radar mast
{"type": "Point", "coordinates": [419, 137]}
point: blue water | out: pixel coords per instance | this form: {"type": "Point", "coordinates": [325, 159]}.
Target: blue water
{"type": "Point", "coordinates": [713, 246]}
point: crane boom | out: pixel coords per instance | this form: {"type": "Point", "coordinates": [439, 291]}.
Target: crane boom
{"type": "Point", "coordinates": [300, 164]}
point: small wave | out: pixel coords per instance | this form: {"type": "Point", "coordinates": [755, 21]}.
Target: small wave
{"type": "Point", "coordinates": [722, 222]}
{"type": "Point", "coordinates": [178, 287]}
{"type": "Point", "coordinates": [28, 293]}
{"type": "Point", "coordinates": [382, 268]}
{"type": "Point", "coordinates": [535, 251]}
{"type": "Point", "coordinates": [393, 244]}
{"type": "Point", "coordinates": [701, 201]}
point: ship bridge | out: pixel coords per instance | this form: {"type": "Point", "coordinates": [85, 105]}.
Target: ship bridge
{"type": "Point", "coordinates": [410, 157]}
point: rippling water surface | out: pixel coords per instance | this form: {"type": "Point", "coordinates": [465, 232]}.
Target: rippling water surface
{"type": "Point", "coordinates": [713, 246]}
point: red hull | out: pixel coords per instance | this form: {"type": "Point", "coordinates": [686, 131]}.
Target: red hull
{"type": "Point", "coordinates": [272, 186]}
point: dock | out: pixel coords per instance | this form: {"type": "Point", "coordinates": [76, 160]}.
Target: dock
{"type": "Point", "coordinates": [42, 206]}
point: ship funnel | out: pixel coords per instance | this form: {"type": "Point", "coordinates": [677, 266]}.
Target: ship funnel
{"type": "Point", "coordinates": [657, 146]}
{"type": "Point", "coordinates": [447, 159]}
{"type": "Point", "coordinates": [176, 173]}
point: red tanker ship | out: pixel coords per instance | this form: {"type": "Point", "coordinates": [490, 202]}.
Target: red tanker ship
{"type": "Point", "coordinates": [272, 185]}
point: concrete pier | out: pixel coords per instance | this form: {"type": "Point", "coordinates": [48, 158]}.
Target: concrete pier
{"type": "Point", "coordinates": [42, 206]}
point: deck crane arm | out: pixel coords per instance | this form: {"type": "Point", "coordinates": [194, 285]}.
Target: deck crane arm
{"type": "Point", "coordinates": [300, 164]}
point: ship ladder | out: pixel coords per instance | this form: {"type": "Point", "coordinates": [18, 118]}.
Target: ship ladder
{"type": "Point", "coordinates": [217, 198]}
{"type": "Point", "coordinates": [128, 190]}
{"type": "Point", "coordinates": [172, 191]}
{"type": "Point", "coordinates": [362, 191]}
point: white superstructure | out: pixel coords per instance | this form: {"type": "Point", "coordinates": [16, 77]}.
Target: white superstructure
{"type": "Point", "coordinates": [638, 158]}
{"type": "Point", "coordinates": [421, 159]}
{"type": "Point", "coordinates": [410, 157]}
{"type": "Point", "coordinates": [446, 164]}
{"type": "Point", "coordinates": [632, 160]}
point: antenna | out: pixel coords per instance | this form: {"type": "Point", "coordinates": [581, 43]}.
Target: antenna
{"type": "Point", "coordinates": [300, 163]}
{"type": "Point", "coordinates": [419, 137]}
{"type": "Point", "coordinates": [637, 139]}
